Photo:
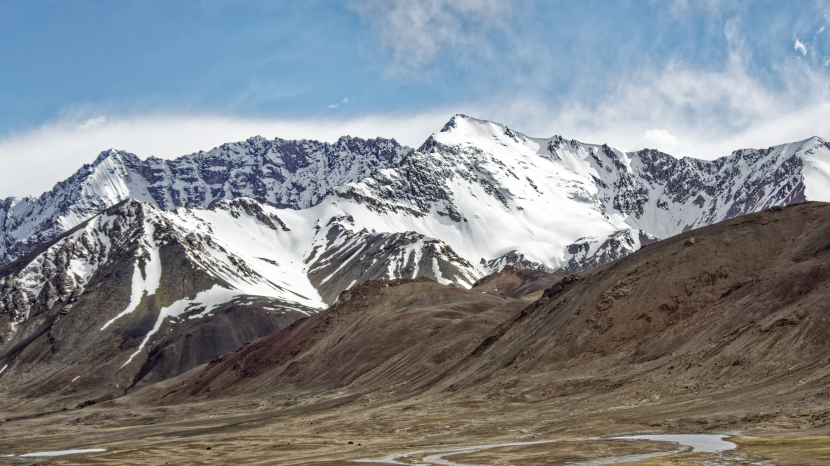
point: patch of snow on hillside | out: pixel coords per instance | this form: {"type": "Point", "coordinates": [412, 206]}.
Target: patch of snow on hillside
{"type": "Point", "coordinates": [143, 285]}
{"type": "Point", "coordinates": [210, 299]}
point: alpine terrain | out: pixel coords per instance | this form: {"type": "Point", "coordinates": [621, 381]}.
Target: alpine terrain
{"type": "Point", "coordinates": [486, 285]}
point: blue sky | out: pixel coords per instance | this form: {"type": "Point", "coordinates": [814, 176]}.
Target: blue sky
{"type": "Point", "coordinates": [693, 78]}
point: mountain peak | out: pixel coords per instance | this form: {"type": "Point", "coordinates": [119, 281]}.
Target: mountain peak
{"type": "Point", "coordinates": [103, 156]}
{"type": "Point", "coordinates": [452, 123]}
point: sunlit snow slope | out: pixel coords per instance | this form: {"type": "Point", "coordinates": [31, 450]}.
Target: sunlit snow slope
{"type": "Point", "coordinates": [492, 193]}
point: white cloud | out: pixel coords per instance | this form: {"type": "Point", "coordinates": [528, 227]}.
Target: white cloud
{"type": "Point", "coordinates": [799, 46]}
{"type": "Point", "coordinates": [820, 30]}
{"type": "Point", "coordinates": [345, 100]}
{"type": "Point", "coordinates": [35, 160]}
{"type": "Point", "coordinates": [658, 139]}
{"type": "Point", "coordinates": [92, 123]}
{"type": "Point", "coordinates": [417, 30]}
{"type": "Point", "coordinates": [684, 110]}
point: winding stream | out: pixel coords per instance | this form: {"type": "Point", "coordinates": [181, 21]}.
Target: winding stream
{"type": "Point", "coordinates": [689, 443]}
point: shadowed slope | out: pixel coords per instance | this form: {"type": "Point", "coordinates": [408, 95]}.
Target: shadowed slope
{"type": "Point", "coordinates": [376, 334]}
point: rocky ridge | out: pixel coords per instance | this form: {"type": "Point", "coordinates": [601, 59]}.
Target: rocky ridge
{"type": "Point", "coordinates": [563, 203]}
{"type": "Point", "coordinates": [479, 186]}
{"type": "Point", "coordinates": [284, 174]}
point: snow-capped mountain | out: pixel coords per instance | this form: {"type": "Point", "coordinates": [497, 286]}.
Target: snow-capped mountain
{"type": "Point", "coordinates": [125, 259]}
{"type": "Point", "coordinates": [285, 174]}
{"type": "Point", "coordinates": [494, 196]}
{"type": "Point", "coordinates": [490, 192]}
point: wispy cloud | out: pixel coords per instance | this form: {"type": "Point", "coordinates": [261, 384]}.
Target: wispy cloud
{"type": "Point", "coordinates": [92, 123]}
{"type": "Point", "coordinates": [687, 110]}
{"type": "Point", "coordinates": [415, 31]}
{"type": "Point", "coordinates": [682, 7]}
{"type": "Point", "coordinates": [658, 138]}
{"type": "Point", "coordinates": [344, 101]}
{"type": "Point", "coordinates": [799, 46]}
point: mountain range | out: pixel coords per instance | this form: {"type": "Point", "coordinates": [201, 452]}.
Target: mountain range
{"type": "Point", "coordinates": [145, 269]}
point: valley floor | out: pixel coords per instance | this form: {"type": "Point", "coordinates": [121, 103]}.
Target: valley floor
{"type": "Point", "coordinates": [296, 429]}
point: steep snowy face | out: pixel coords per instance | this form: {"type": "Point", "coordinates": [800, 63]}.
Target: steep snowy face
{"type": "Point", "coordinates": [26, 223]}
{"type": "Point", "coordinates": [663, 195]}
{"type": "Point", "coordinates": [287, 174]}
{"type": "Point", "coordinates": [498, 197]}
{"type": "Point", "coordinates": [491, 191]}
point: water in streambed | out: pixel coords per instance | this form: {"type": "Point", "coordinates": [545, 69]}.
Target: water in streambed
{"type": "Point", "coordinates": [689, 443]}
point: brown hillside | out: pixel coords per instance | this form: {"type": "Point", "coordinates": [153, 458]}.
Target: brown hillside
{"type": "Point", "coordinates": [513, 282]}
{"type": "Point", "coordinates": [378, 333]}
{"type": "Point", "coordinates": [741, 305]}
